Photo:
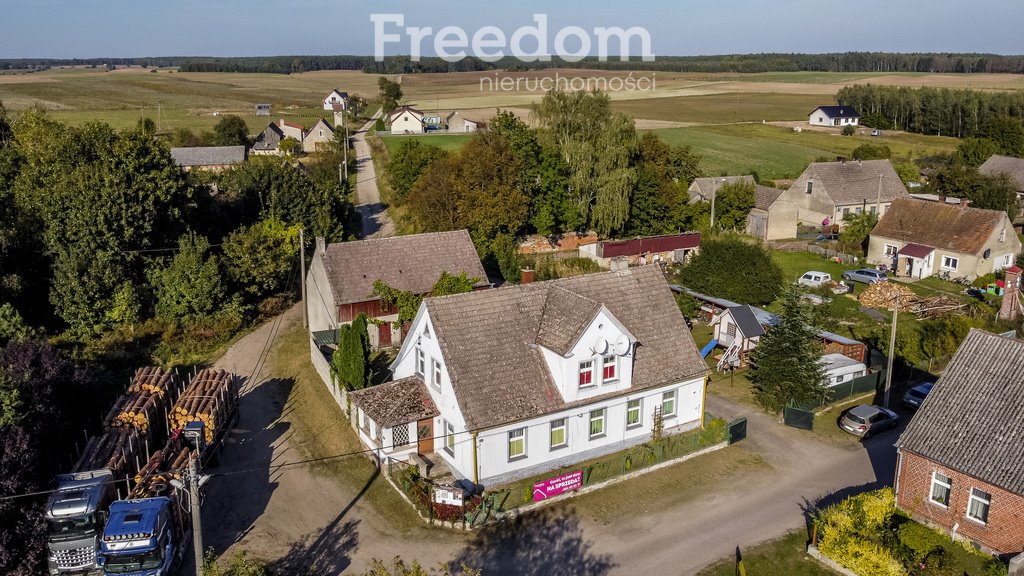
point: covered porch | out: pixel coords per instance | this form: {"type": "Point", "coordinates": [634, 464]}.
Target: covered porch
{"type": "Point", "coordinates": [915, 261]}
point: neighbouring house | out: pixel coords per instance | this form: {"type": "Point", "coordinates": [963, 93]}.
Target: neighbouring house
{"type": "Point", "coordinates": [770, 219]}
{"type": "Point", "coordinates": [737, 328]}
{"type": "Point", "coordinates": [317, 137]}
{"type": "Point", "coordinates": [336, 98]}
{"type": "Point", "coordinates": [339, 285]}
{"type": "Point", "coordinates": [208, 158]}
{"type": "Point", "coordinates": [712, 307]}
{"type": "Point", "coordinates": [646, 250]}
{"type": "Point", "coordinates": [290, 130]}
{"type": "Point", "coordinates": [834, 116]}
{"type": "Point", "coordinates": [959, 460]}
{"type": "Point", "coordinates": [568, 243]}
{"type": "Point", "coordinates": [704, 189]}
{"type": "Point", "coordinates": [1012, 167]}
{"type": "Point", "coordinates": [918, 238]}
{"type": "Point", "coordinates": [512, 382]}
{"type": "Point", "coordinates": [269, 140]}
{"type": "Point", "coordinates": [458, 122]}
{"type": "Point", "coordinates": [406, 120]}
{"type": "Point", "coordinates": [828, 192]}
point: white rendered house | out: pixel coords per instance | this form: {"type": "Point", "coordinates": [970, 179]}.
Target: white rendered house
{"type": "Point", "coordinates": [507, 383]}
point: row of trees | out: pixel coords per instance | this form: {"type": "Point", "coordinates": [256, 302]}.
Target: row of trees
{"type": "Point", "coordinates": [942, 111]}
{"type": "Point", "coordinates": [584, 168]}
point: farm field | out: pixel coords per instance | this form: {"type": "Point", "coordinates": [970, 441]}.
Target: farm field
{"type": "Point", "coordinates": [448, 142]}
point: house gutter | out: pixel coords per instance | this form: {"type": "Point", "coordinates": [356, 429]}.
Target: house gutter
{"type": "Point", "coordinates": [899, 469]}
{"type": "Point", "coordinates": [476, 469]}
{"type": "Point", "coordinates": [704, 400]}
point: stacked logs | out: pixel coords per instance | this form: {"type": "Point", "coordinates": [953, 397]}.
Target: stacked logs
{"type": "Point", "coordinates": [145, 401]}
{"type": "Point", "coordinates": [207, 399]}
{"type": "Point", "coordinates": [154, 479]}
{"type": "Point", "coordinates": [116, 450]}
{"type": "Point", "coordinates": [883, 295]}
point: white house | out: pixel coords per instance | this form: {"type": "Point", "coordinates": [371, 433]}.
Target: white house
{"type": "Point", "coordinates": [289, 130]}
{"type": "Point", "coordinates": [406, 120]}
{"type": "Point", "coordinates": [336, 98]}
{"type": "Point", "coordinates": [456, 122]}
{"type": "Point", "coordinates": [507, 383]}
{"type": "Point", "coordinates": [834, 116]}
{"type": "Point", "coordinates": [317, 137]}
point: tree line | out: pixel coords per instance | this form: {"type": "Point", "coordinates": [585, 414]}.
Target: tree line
{"type": "Point", "coordinates": [585, 168]}
{"type": "Point", "coordinates": [737, 63]}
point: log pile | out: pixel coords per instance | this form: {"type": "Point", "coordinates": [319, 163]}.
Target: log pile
{"type": "Point", "coordinates": [145, 402]}
{"type": "Point", "coordinates": [883, 295]}
{"type": "Point", "coordinates": [207, 399]}
{"type": "Point", "coordinates": [154, 479]}
{"type": "Point", "coordinates": [116, 450]}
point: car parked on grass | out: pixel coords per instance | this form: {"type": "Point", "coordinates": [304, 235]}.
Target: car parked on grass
{"type": "Point", "coordinates": [866, 419]}
{"type": "Point", "coordinates": [815, 279]}
{"type": "Point", "coordinates": [826, 238]}
{"type": "Point", "coordinates": [915, 396]}
{"type": "Point", "coordinates": [865, 275]}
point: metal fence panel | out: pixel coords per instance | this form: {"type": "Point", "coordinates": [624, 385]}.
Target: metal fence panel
{"type": "Point", "coordinates": [798, 418]}
{"type": "Point", "coordinates": [737, 429]}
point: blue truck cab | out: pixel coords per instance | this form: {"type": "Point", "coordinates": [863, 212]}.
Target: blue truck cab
{"type": "Point", "coordinates": [142, 538]}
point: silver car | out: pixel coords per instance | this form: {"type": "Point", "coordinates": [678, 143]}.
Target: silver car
{"type": "Point", "coordinates": [865, 419]}
{"type": "Point", "coordinates": [865, 275]}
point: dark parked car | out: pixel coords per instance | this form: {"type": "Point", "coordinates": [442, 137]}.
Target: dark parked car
{"type": "Point", "coordinates": [913, 398]}
{"type": "Point", "coordinates": [826, 238]}
{"type": "Point", "coordinates": [865, 419]}
{"type": "Point", "coordinates": [865, 275]}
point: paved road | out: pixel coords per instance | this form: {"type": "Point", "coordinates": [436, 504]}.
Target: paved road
{"type": "Point", "coordinates": [374, 216]}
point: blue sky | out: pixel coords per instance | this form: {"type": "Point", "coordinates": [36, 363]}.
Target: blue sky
{"type": "Point", "coordinates": [97, 28]}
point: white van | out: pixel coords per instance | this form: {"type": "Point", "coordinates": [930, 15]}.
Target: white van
{"type": "Point", "coordinates": [815, 279]}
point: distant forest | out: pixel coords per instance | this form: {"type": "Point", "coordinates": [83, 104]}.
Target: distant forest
{"type": "Point", "coordinates": [739, 63]}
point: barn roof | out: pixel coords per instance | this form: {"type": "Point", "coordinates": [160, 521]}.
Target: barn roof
{"type": "Point", "coordinates": [956, 228]}
{"type": "Point", "coordinates": [208, 155]}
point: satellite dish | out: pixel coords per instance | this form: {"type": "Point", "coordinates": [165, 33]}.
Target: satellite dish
{"type": "Point", "coordinates": [622, 345]}
{"type": "Point", "coordinates": [600, 345]}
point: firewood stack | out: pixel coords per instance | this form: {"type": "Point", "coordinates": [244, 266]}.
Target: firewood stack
{"type": "Point", "coordinates": [145, 401]}
{"type": "Point", "coordinates": [883, 295]}
{"type": "Point", "coordinates": [205, 400]}
{"type": "Point", "coordinates": [115, 450]}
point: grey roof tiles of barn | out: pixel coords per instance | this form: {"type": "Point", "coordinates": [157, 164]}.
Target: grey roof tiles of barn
{"type": "Point", "coordinates": [411, 263]}
{"type": "Point", "coordinates": [489, 340]}
{"type": "Point", "coordinates": [208, 155]}
{"type": "Point", "coordinates": [564, 318]}
{"type": "Point", "coordinates": [765, 196]}
{"type": "Point", "coordinates": [704, 187]}
{"type": "Point", "coordinates": [997, 164]}
{"type": "Point", "coordinates": [972, 420]}
{"type": "Point", "coordinates": [960, 229]}
{"type": "Point", "coordinates": [857, 181]}
{"type": "Point", "coordinates": [395, 403]}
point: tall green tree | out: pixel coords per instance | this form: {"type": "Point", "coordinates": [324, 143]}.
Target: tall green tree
{"type": "Point", "coordinates": [856, 229]}
{"type": "Point", "coordinates": [390, 93]}
{"type": "Point", "coordinates": [351, 361]}
{"type": "Point", "coordinates": [230, 130]}
{"type": "Point", "coordinates": [260, 257]}
{"type": "Point", "coordinates": [190, 287]}
{"type": "Point", "coordinates": [785, 365]}
{"type": "Point", "coordinates": [974, 151]}
{"type": "Point", "coordinates": [659, 200]}
{"type": "Point", "coordinates": [407, 163]}
{"type": "Point", "coordinates": [1006, 132]}
{"type": "Point", "coordinates": [731, 266]}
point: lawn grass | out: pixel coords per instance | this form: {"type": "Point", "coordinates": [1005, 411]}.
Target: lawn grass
{"type": "Point", "coordinates": [795, 264]}
{"type": "Point", "coordinates": [322, 431]}
{"type": "Point", "coordinates": [671, 486]}
{"type": "Point", "coordinates": [785, 556]}
{"type": "Point", "coordinates": [729, 155]}
{"type": "Point", "coordinates": [449, 142]}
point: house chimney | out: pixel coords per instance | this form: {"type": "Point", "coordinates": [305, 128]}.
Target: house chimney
{"type": "Point", "coordinates": [527, 276]}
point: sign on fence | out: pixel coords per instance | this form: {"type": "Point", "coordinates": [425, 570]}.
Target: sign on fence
{"type": "Point", "coordinates": [451, 495]}
{"type": "Point", "coordinates": [557, 485]}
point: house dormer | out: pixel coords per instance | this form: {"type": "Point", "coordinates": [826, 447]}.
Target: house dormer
{"type": "Point", "coordinates": [588, 352]}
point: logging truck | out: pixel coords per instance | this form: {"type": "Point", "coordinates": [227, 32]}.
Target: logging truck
{"type": "Point", "coordinates": [205, 412]}
{"type": "Point", "coordinates": [77, 510]}
{"type": "Point", "coordinates": [145, 537]}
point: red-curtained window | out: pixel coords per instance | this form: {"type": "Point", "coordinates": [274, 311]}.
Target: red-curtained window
{"type": "Point", "coordinates": [586, 373]}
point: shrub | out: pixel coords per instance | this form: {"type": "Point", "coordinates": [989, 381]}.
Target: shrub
{"type": "Point", "coordinates": [849, 130]}
{"type": "Point", "coordinates": [919, 540]}
{"type": "Point", "coordinates": [982, 281]}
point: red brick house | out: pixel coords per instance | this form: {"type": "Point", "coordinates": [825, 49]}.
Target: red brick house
{"type": "Point", "coordinates": [960, 458]}
{"type": "Point", "coordinates": [339, 284]}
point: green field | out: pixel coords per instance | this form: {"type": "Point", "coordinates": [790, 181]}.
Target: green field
{"type": "Point", "coordinates": [448, 142]}
{"type": "Point", "coordinates": [722, 107]}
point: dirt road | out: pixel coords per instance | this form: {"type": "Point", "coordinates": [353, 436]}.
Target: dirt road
{"type": "Point", "coordinates": [374, 216]}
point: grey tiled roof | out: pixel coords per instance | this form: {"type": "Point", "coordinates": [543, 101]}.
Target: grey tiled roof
{"type": "Point", "coordinates": [1012, 166]}
{"type": "Point", "coordinates": [411, 263]}
{"type": "Point", "coordinates": [490, 339]}
{"type": "Point", "coordinates": [856, 182]}
{"type": "Point", "coordinates": [702, 188]}
{"type": "Point", "coordinates": [947, 226]}
{"type": "Point", "coordinates": [765, 196]}
{"type": "Point", "coordinates": [397, 402]}
{"type": "Point", "coordinates": [972, 420]}
{"type": "Point", "coordinates": [564, 317]}
{"type": "Point", "coordinates": [208, 155]}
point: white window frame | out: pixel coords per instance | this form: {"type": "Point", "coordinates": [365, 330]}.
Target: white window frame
{"type": "Point", "coordinates": [947, 484]}
{"type": "Point", "coordinates": [614, 362]}
{"type": "Point", "coordinates": [1007, 261]}
{"type": "Point", "coordinates": [558, 424]}
{"type": "Point", "coordinates": [950, 263]}
{"type": "Point", "coordinates": [517, 435]}
{"type": "Point", "coordinates": [449, 438]}
{"type": "Point", "coordinates": [986, 502]}
{"type": "Point", "coordinates": [634, 406]}
{"type": "Point", "coordinates": [589, 368]}
{"type": "Point", "coordinates": [890, 250]}
{"type": "Point", "coordinates": [421, 361]}
{"type": "Point", "coordinates": [597, 416]}
{"type": "Point", "coordinates": [672, 397]}
{"type": "Point", "coordinates": [435, 381]}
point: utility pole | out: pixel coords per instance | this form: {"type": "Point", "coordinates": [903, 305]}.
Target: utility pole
{"type": "Point", "coordinates": [197, 519]}
{"type": "Point", "coordinates": [892, 350]}
{"type": "Point", "coordinates": [878, 205]}
{"type": "Point", "coordinates": [302, 279]}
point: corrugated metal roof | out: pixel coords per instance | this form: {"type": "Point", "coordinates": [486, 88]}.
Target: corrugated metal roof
{"type": "Point", "coordinates": [973, 419]}
{"type": "Point", "coordinates": [208, 155]}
